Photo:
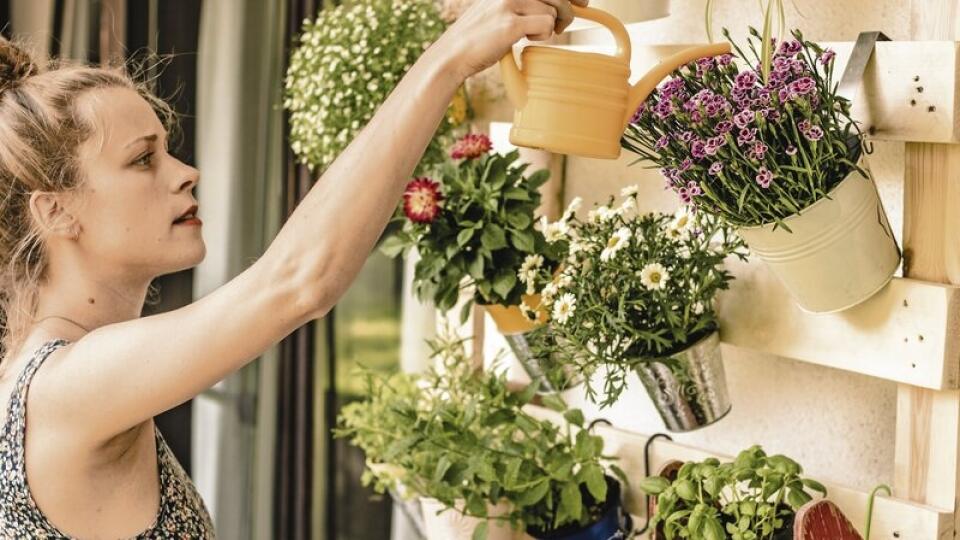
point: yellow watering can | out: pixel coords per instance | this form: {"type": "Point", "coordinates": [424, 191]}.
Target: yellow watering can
{"type": "Point", "coordinates": [580, 103]}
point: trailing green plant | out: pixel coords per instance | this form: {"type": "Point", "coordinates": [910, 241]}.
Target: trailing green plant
{"type": "Point", "coordinates": [634, 286]}
{"type": "Point", "coordinates": [346, 62]}
{"type": "Point", "coordinates": [475, 227]}
{"type": "Point", "coordinates": [462, 437]}
{"type": "Point", "coordinates": [753, 146]}
{"type": "Point", "coordinates": [751, 498]}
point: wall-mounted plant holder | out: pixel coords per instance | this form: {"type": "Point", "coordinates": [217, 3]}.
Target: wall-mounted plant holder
{"type": "Point", "coordinates": [909, 332]}
{"type": "Point", "coordinates": [893, 518]}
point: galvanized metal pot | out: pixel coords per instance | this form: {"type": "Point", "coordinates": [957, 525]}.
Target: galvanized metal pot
{"type": "Point", "coordinates": [838, 253]}
{"type": "Point", "coordinates": [521, 333]}
{"type": "Point", "coordinates": [689, 388]}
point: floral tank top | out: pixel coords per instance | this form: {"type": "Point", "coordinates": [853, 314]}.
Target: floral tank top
{"type": "Point", "coordinates": [181, 515]}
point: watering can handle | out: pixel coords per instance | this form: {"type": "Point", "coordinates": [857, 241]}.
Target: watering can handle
{"type": "Point", "coordinates": [613, 24]}
{"type": "Point", "coordinates": [513, 78]}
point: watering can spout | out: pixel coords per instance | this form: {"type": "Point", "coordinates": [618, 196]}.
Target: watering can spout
{"type": "Point", "coordinates": [513, 80]}
{"type": "Point", "coordinates": [642, 89]}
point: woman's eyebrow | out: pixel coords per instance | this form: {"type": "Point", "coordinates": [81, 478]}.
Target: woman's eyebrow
{"type": "Point", "coordinates": [148, 138]}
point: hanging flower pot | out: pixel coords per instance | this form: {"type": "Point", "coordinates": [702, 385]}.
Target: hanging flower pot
{"type": "Point", "coordinates": [442, 523]}
{"type": "Point", "coordinates": [838, 252]}
{"type": "Point", "coordinates": [522, 334]}
{"type": "Point", "coordinates": [613, 522]}
{"type": "Point", "coordinates": [688, 388]}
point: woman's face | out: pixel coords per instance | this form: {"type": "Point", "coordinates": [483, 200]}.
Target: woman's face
{"type": "Point", "coordinates": [133, 190]}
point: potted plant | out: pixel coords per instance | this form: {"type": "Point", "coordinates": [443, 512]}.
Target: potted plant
{"type": "Point", "coordinates": [772, 149]}
{"type": "Point", "coordinates": [347, 61]}
{"type": "Point", "coordinates": [637, 294]}
{"type": "Point", "coordinates": [755, 497]}
{"type": "Point", "coordinates": [463, 441]}
{"type": "Point", "coordinates": [474, 227]}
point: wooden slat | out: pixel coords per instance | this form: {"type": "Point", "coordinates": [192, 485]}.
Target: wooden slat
{"type": "Point", "coordinates": [928, 422]}
{"type": "Point", "coordinates": [902, 99]}
{"type": "Point", "coordinates": [892, 518]}
{"type": "Point", "coordinates": [909, 332]}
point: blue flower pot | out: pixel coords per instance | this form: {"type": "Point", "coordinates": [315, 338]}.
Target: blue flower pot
{"type": "Point", "coordinates": [614, 523]}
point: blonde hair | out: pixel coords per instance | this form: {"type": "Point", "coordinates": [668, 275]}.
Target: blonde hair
{"type": "Point", "coordinates": [40, 133]}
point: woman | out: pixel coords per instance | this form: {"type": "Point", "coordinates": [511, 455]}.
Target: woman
{"type": "Point", "coordinates": [93, 208]}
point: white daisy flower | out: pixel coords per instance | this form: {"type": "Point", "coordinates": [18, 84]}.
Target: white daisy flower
{"type": "Point", "coordinates": [630, 191]}
{"type": "Point", "coordinates": [654, 277]}
{"type": "Point", "coordinates": [572, 208]}
{"type": "Point", "coordinates": [549, 291]}
{"type": "Point", "coordinates": [528, 312]}
{"type": "Point", "coordinates": [628, 205]}
{"type": "Point", "coordinates": [683, 220]}
{"type": "Point", "coordinates": [618, 241]}
{"type": "Point", "coordinates": [531, 263]}
{"type": "Point", "coordinates": [564, 308]}
{"type": "Point", "coordinates": [699, 308]}
{"type": "Point", "coordinates": [554, 232]}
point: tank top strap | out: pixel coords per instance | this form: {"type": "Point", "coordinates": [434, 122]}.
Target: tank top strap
{"type": "Point", "coordinates": [15, 426]}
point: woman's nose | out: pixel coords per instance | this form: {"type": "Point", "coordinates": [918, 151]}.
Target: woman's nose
{"type": "Point", "coordinates": [188, 178]}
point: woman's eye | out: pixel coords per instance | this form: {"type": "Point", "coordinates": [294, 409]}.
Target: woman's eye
{"type": "Point", "coordinates": [144, 160]}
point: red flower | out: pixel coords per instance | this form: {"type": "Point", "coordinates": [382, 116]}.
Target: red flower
{"type": "Point", "coordinates": [471, 146]}
{"type": "Point", "coordinates": [421, 200]}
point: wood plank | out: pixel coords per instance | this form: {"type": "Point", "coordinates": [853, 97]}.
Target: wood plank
{"type": "Point", "coordinates": [892, 517]}
{"type": "Point", "coordinates": [928, 422]}
{"type": "Point", "coordinates": [901, 99]}
{"type": "Point", "coordinates": [909, 332]}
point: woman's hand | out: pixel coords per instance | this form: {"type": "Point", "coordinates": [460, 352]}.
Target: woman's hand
{"type": "Point", "coordinates": [489, 28]}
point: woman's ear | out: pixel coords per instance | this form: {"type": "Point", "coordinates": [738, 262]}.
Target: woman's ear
{"type": "Point", "coordinates": [50, 213]}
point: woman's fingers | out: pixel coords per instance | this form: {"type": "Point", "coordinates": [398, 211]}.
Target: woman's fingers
{"type": "Point", "coordinates": [581, 3]}
{"type": "Point", "coordinates": [560, 9]}
{"type": "Point", "coordinates": [537, 27]}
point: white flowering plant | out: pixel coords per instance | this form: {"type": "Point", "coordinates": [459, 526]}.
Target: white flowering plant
{"type": "Point", "coordinates": [346, 63]}
{"type": "Point", "coordinates": [475, 227]}
{"type": "Point", "coordinates": [635, 286]}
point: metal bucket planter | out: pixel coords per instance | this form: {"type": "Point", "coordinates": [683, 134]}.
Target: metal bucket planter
{"type": "Point", "coordinates": [841, 250]}
{"type": "Point", "coordinates": [689, 388]}
{"type": "Point", "coordinates": [452, 525]}
{"type": "Point", "coordinates": [521, 333]}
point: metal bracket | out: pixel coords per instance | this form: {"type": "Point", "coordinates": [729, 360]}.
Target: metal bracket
{"type": "Point", "coordinates": [857, 65]}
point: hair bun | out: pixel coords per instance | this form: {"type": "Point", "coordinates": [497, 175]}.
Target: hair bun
{"type": "Point", "coordinates": [15, 65]}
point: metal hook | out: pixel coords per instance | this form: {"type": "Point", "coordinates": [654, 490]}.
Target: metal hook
{"type": "Point", "coordinates": [596, 421]}
{"type": "Point", "coordinates": [873, 495]}
{"type": "Point", "coordinates": [646, 471]}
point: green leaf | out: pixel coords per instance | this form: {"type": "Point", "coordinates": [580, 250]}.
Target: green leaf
{"type": "Point", "coordinates": [516, 194]}
{"type": "Point", "coordinates": [596, 483]}
{"type": "Point", "coordinates": [443, 465]}
{"type": "Point", "coordinates": [535, 493]}
{"type": "Point", "coordinates": [654, 485]}
{"type": "Point", "coordinates": [493, 237]}
{"type": "Point", "coordinates": [476, 267]}
{"type": "Point", "coordinates": [575, 417]}
{"type": "Point", "coordinates": [465, 311]}
{"type": "Point", "coordinates": [393, 246]}
{"type": "Point", "coordinates": [686, 490]}
{"type": "Point", "coordinates": [523, 240]}
{"type": "Point", "coordinates": [480, 531]}
{"type": "Point", "coordinates": [571, 502]}
{"type": "Point", "coordinates": [528, 393]}
{"type": "Point", "coordinates": [504, 283]}
{"type": "Point", "coordinates": [464, 237]}
{"type": "Point", "coordinates": [519, 219]}
{"type": "Point", "coordinates": [554, 402]}
{"type": "Point", "coordinates": [712, 530]}
{"type": "Point", "coordinates": [814, 485]}
{"type": "Point", "coordinates": [538, 178]}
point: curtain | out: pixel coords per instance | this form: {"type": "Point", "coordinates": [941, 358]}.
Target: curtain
{"type": "Point", "coordinates": [239, 151]}
{"type": "Point", "coordinates": [300, 463]}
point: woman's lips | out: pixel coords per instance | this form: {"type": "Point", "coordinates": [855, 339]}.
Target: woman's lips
{"type": "Point", "coordinates": [190, 221]}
